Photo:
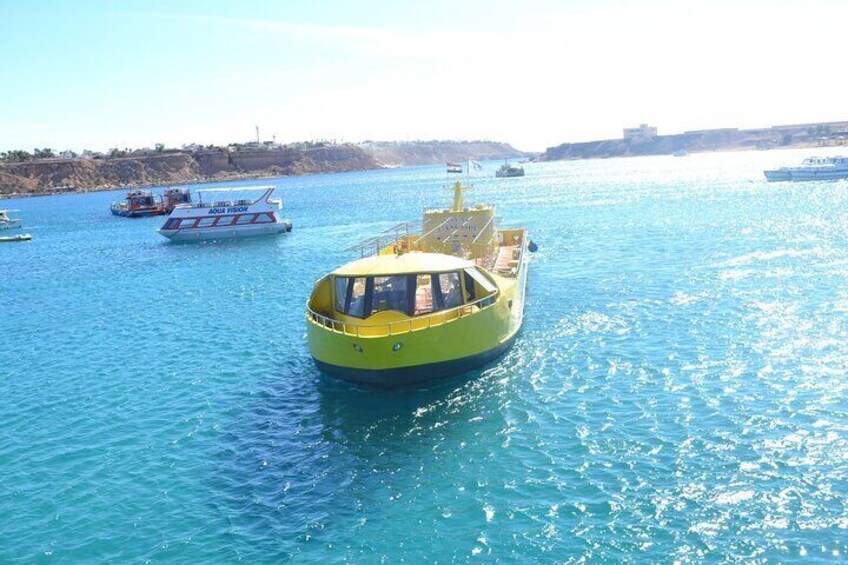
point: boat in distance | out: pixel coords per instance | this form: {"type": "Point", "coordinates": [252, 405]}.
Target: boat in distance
{"type": "Point", "coordinates": [812, 168]}
{"type": "Point", "coordinates": [506, 170]}
{"type": "Point", "coordinates": [143, 203]}
{"type": "Point", "coordinates": [13, 238]}
{"type": "Point", "coordinates": [9, 223]}
{"type": "Point", "coordinates": [138, 204]}
{"type": "Point", "coordinates": [420, 305]}
{"type": "Point", "coordinates": [226, 218]}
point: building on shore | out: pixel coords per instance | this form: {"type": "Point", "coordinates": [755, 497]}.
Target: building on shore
{"type": "Point", "coordinates": [643, 133]}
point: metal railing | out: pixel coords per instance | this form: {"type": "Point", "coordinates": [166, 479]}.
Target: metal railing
{"type": "Point", "coordinates": [388, 237]}
{"type": "Point", "coordinates": [402, 326]}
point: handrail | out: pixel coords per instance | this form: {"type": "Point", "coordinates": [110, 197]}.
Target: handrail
{"type": "Point", "coordinates": [390, 236]}
{"type": "Point", "coordinates": [405, 326]}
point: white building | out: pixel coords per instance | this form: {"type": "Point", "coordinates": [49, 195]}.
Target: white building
{"type": "Point", "coordinates": [643, 133]}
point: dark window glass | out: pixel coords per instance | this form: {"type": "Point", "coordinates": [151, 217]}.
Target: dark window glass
{"type": "Point", "coordinates": [205, 222]}
{"type": "Point", "coordinates": [225, 220]}
{"type": "Point", "coordinates": [187, 223]}
{"type": "Point", "coordinates": [469, 287]}
{"type": "Point", "coordinates": [341, 293]}
{"type": "Point", "coordinates": [244, 219]}
{"type": "Point", "coordinates": [451, 290]}
{"type": "Point", "coordinates": [390, 293]}
{"type": "Point", "coordinates": [356, 306]}
{"type": "Point", "coordinates": [350, 296]}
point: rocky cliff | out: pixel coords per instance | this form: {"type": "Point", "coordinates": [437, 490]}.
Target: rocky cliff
{"type": "Point", "coordinates": [47, 176]}
{"type": "Point", "coordinates": [54, 175]}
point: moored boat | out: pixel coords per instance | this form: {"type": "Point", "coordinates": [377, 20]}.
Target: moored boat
{"type": "Point", "coordinates": [138, 204]}
{"type": "Point", "coordinates": [812, 168]}
{"type": "Point", "coordinates": [225, 217]}
{"type": "Point", "coordinates": [173, 197]}
{"type": "Point", "coordinates": [506, 170]}
{"type": "Point", "coordinates": [424, 305]}
{"type": "Point", "coordinates": [9, 223]}
{"type": "Point", "coordinates": [13, 238]}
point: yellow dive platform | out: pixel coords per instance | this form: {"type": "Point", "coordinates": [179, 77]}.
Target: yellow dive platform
{"type": "Point", "coordinates": [422, 304]}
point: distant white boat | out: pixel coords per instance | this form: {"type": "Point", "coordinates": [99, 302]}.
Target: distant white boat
{"type": "Point", "coordinates": [812, 168]}
{"type": "Point", "coordinates": [7, 223]}
{"type": "Point", "coordinates": [681, 153]}
{"type": "Point", "coordinates": [226, 218]}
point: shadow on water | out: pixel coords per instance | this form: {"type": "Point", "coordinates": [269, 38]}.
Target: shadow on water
{"type": "Point", "coordinates": [303, 455]}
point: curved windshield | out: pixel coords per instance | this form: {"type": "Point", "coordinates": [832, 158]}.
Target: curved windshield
{"type": "Point", "coordinates": [413, 295]}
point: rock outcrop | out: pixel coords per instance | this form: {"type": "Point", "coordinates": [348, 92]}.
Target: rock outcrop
{"type": "Point", "coordinates": [47, 176]}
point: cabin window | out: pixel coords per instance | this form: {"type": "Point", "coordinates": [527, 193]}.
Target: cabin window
{"type": "Point", "coordinates": [424, 303]}
{"type": "Point", "coordinates": [350, 296]}
{"type": "Point", "coordinates": [356, 300]}
{"type": "Point", "coordinates": [469, 287]}
{"type": "Point", "coordinates": [450, 290]}
{"type": "Point", "coordinates": [171, 224]}
{"type": "Point", "coordinates": [225, 221]}
{"type": "Point", "coordinates": [244, 219]}
{"type": "Point", "coordinates": [205, 222]}
{"type": "Point", "coordinates": [390, 293]}
{"type": "Point", "coordinates": [264, 218]}
{"type": "Point", "coordinates": [341, 293]}
{"type": "Point", "coordinates": [187, 223]}
{"type": "Point", "coordinates": [478, 277]}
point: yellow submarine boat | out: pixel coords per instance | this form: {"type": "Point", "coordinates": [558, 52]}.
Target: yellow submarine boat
{"type": "Point", "coordinates": [420, 306]}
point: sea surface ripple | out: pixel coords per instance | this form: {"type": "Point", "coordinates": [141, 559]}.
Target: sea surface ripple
{"type": "Point", "coordinates": [677, 394]}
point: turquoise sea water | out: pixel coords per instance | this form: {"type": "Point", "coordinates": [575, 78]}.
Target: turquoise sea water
{"type": "Point", "coordinates": [678, 392]}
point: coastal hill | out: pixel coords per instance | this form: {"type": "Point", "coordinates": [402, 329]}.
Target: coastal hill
{"type": "Point", "coordinates": [24, 174]}
{"type": "Point", "coordinates": [406, 154]}
{"type": "Point", "coordinates": [728, 139]}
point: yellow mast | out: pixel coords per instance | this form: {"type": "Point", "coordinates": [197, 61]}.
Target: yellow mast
{"type": "Point", "coordinates": [457, 196]}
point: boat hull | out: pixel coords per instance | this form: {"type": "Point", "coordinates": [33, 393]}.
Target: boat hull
{"type": "Point", "coordinates": [143, 213]}
{"type": "Point", "coordinates": [229, 232]}
{"type": "Point", "coordinates": [10, 225]}
{"type": "Point", "coordinates": [501, 175]}
{"type": "Point", "coordinates": [417, 374]}
{"type": "Point", "coordinates": [13, 238]}
{"type": "Point", "coordinates": [796, 175]}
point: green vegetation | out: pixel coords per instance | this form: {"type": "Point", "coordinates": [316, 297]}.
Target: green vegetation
{"type": "Point", "coordinates": [15, 156]}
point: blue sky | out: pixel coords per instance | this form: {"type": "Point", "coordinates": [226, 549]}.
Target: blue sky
{"type": "Point", "coordinates": [532, 73]}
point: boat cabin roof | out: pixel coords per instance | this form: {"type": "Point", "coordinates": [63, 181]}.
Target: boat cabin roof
{"type": "Point", "coordinates": [408, 263]}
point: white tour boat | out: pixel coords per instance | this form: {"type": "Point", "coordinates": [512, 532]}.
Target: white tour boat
{"type": "Point", "coordinates": [812, 168]}
{"type": "Point", "coordinates": [7, 223]}
{"type": "Point", "coordinates": [226, 217]}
